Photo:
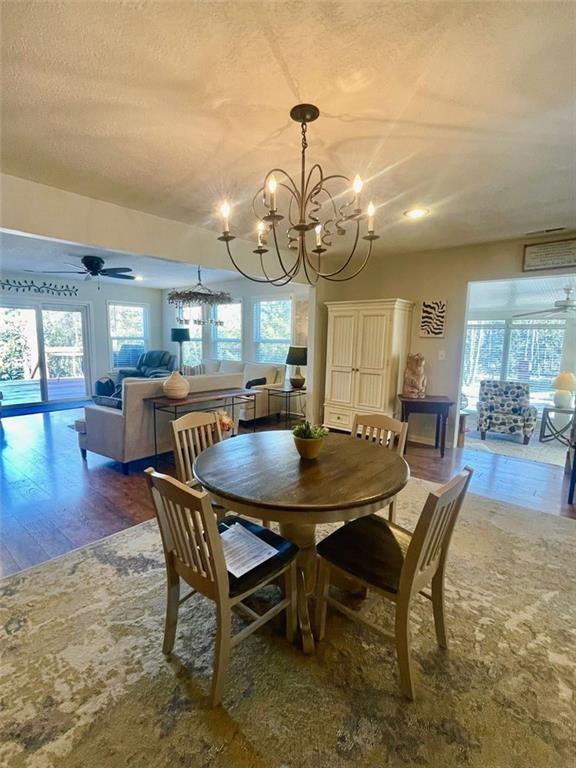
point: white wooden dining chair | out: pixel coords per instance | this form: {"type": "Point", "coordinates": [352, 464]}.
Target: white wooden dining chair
{"type": "Point", "coordinates": [385, 431]}
{"type": "Point", "coordinates": [192, 434]}
{"type": "Point", "coordinates": [395, 564]}
{"type": "Point", "coordinates": [194, 554]}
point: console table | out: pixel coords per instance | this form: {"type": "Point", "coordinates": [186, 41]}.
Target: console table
{"type": "Point", "coordinates": [186, 404]}
{"type": "Point", "coordinates": [439, 405]}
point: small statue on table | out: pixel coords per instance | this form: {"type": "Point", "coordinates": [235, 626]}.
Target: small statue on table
{"type": "Point", "coordinates": [414, 378]}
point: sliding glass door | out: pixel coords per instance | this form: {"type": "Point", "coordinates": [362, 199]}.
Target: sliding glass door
{"type": "Point", "coordinates": [42, 353]}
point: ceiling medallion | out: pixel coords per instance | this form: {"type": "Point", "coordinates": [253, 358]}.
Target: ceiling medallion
{"type": "Point", "coordinates": [198, 296]}
{"type": "Point", "coordinates": [311, 216]}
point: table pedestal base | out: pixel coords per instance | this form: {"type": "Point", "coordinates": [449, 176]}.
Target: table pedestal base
{"type": "Point", "coordinates": [306, 565]}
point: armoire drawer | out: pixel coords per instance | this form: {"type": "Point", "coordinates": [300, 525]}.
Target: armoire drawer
{"type": "Point", "coordinates": [333, 417]}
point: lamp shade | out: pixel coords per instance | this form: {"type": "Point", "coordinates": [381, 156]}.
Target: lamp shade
{"type": "Point", "coordinates": [565, 380]}
{"type": "Point", "coordinates": [180, 334]}
{"type": "Point", "coordinates": [297, 356]}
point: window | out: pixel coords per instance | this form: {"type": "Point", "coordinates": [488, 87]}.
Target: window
{"type": "Point", "coordinates": [128, 329]}
{"type": "Point", "coordinates": [227, 338]}
{"type": "Point", "coordinates": [192, 350]}
{"type": "Point", "coordinates": [514, 350]}
{"type": "Point", "coordinates": [272, 330]}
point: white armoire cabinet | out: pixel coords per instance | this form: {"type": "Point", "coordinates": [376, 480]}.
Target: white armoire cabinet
{"type": "Point", "coordinates": [366, 352]}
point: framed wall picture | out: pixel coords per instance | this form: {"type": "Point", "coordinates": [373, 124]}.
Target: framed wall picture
{"type": "Point", "coordinates": [559, 254]}
{"type": "Point", "coordinates": [433, 319]}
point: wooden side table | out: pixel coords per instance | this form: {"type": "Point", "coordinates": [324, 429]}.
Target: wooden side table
{"type": "Point", "coordinates": [439, 405]}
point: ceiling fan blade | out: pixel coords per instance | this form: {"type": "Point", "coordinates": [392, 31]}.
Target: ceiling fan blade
{"type": "Point", "coordinates": [53, 271]}
{"type": "Point", "coordinates": [539, 312]}
{"type": "Point", "coordinates": [119, 277]}
{"type": "Point", "coordinates": [115, 270]}
{"type": "Point", "coordinates": [68, 264]}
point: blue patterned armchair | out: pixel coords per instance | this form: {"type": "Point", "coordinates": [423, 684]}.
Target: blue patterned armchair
{"type": "Point", "coordinates": [504, 406]}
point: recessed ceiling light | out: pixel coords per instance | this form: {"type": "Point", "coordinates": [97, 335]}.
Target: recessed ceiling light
{"type": "Point", "coordinates": [138, 277]}
{"type": "Point", "coordinates": [416, 213]}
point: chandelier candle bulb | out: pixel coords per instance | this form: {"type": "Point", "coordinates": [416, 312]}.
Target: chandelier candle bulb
{"type": "Point", "coordinates": [318, 230]}
{"type": "Point", "coordinates": [225, 211]}
{"type": "Point", "coordinates": [261, 228]}
{"type": "Point", "coordinates": [371, 212]}
{"type": "Point", "coordinates": [272, 185]}
{"type": "Point", "coordinates": [357, 186]}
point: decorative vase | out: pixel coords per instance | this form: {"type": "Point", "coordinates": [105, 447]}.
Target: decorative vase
{"type": "Point", "coordinates": [308, 448]}
{"type": "Point", "coordinates": [176, 387]}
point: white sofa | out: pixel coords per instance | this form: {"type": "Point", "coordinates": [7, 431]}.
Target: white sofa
{"type": "Point", "coordinates": [274, 373]}
{"type": "Point", "coordinates": [127, 434]}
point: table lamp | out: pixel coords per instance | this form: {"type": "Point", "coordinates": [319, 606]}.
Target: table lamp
{"type": "Point", "coordinates": [180, 335]}
{"type": "Point", "coordinates": [564, 384]}
{"type": "Point", "coordinates": [297, 356]}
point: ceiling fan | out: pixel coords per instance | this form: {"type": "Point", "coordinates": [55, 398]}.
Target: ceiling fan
{"type": "Point", "coordinates": [93, 266]}
{"type": "Point", "coordinates": [562, 306]}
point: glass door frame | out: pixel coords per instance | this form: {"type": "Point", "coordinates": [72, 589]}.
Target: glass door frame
{"type": "Point", "coordinates": [85, 309]}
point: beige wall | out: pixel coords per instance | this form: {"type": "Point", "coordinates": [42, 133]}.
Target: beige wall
{"type": "Point", "coordinates": [440, 274]}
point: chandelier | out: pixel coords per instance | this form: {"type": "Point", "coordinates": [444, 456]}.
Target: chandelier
{"type": "Point", "coordinates": [198, 296]}
{"type": "Point", "coordinates": [313, 214]}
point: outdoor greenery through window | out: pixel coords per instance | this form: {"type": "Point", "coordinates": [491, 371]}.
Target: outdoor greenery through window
{"type": "Point", "coordinates": [227, 338]}
{"type": "Point", "coordinates": [128, 328]}
{"type": "Point", "coordinates": [514, 350]}
{"type": "Point", "coordinates": [192, 350]}
{"type": "Point", "coordinates": [272, 330]}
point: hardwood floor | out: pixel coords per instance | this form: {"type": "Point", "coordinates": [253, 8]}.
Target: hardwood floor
{"type": "Point", "coordinates": [52, 502]}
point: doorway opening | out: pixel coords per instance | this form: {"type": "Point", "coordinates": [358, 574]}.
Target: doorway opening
{"type": "Point", "coordinates": [43, 354]}
{"type": "Point", "coordinates": [517, 343]}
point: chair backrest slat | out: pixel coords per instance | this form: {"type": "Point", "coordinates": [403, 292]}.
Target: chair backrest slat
{"type": "Point", "coordinates": [189, 533]}
{"type": "Point", "coordinates": [381, 430]}
{"type": "Point", "coordinates": [192, 434]}
{"type": "Point", "coordinates": [429, 545]}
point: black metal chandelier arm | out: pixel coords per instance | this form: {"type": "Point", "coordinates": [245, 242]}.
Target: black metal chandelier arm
{"type": "Point", "coordinates": [244, 274]}
{"type": "Point", "coordinates": [330, 275]}
{"type": "Point", "coordinates": [306, 185]}
{"type": "Point", "coordinates": [357, 272]}
{"type": "Point", "coordinates": [277, 281]}
{"type": "Point", "coordinates": [294, 269]}
{"type": "Point", "coordinates": [322, 184]}
{"type": "Point", "coordinates": [306, 262]}
{"type": "Point", "coordinates": [293, 189]}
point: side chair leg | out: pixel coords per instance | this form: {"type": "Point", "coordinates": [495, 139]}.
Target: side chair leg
{"type": "Point", "coordinates": [83, 453]}
{"type": "Point", "coordinates": [291, 592]}
{"type": "Point", "coordinates": [321, 594]}
{"type": "Point", "coordinates": [402, 632]}
{"type": "Point", "coordinates": [171, 623]}
{"type": "Point", "coordinates": [438, 608]}
{"type": "Point", "coordinates": [221, 653]}
{"type": "Point", "coordinates": [392, 511]}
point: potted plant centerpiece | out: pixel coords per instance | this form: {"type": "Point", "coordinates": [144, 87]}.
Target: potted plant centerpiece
{"type": "Point", "coordinates": [308, 439]}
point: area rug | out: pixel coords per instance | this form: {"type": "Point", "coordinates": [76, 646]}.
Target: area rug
{"type": "Point", "coordinates": [548, 453]}
{"type": "Point", "coordinates": [84, 682]}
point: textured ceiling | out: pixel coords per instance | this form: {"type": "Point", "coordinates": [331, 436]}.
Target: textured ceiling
{"type": "Point", "coordinates": [467, 108]}
{"type": "Point", "coordinates": [42, 256]}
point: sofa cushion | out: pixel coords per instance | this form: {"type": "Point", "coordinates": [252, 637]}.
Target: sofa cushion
{"type": "Point", "coordinates": [211, 366]}
{"type": "Point", "coordinates": [108, 402]}
{"type": "Point", "coordinates": [231, 366]}
{"type": "Point", "coordinates": [261, 370]}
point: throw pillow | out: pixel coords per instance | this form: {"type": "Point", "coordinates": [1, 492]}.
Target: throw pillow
{"type": "Point", "coordinates": [255, 382]}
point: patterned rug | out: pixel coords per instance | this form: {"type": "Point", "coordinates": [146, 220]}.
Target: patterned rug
{"type": "Point", "coordinates": [85, 684]}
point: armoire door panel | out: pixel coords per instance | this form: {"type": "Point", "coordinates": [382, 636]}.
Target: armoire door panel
{"type": "Point", "coordinates": [340, 387]}
{"type": "Point", "coordinates": [342, 340]}
{"type": "Point", "coordinates": [369, 390]}
{"type": "Point", "coordinates": [372, 328]}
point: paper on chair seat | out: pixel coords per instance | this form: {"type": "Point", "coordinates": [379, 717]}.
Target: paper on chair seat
{"type": "Point", "coordinates": [243, 550]}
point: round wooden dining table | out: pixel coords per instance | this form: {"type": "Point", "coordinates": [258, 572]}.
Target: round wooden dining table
{"type": "Point", "coordinates": [262, 475]}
